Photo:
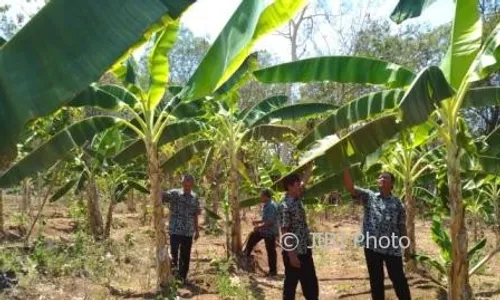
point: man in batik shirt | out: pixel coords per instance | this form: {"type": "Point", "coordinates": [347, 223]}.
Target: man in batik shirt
{"type": "Point", "coordinates": [183, 224]}
{"type": "Point", "coordinates": [384, 230]}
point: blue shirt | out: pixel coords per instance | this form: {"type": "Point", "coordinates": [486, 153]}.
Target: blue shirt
{"type": "Point", "coordinates": [270, 214]}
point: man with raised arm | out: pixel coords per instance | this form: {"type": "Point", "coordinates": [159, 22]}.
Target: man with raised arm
{"type": "Point", "coordinates": [266, 229]}
{"type": "Point", "coordinates": [383, 235]}
{"type": "Point", "coordinates": [183, 224]}
{"type": "Point", "coordinates": [296, 242]}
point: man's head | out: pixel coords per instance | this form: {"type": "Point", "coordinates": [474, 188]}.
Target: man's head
{"type": "Point", "coordinates": [293, 185]}
{"type": "Point", "coordinates": [187, 182]}
{"type": "Point", "coordinates": [386, 181]}
{"type": "Point", "coordinates": [265, 195]}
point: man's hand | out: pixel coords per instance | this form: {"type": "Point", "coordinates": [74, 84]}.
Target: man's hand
{"type": "Point", "coordinates": [294, 260]}
{"type": "Point", "coordinates": [255, 223]}
{"type": "Point", "coordinates": [196, 235]}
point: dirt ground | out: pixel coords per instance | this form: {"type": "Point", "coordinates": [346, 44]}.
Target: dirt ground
{"type": "Point", "coordinates": [341, 272]}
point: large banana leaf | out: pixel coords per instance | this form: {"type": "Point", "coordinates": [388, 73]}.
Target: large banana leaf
{"type": "Point", "coordinates": [407, 9]}
{"type": "Point", "coordinates": [63, 190]}
{"type": "Point", "coordinates": [262, 108]}
{"type": "Point", "coordinates": [426, 91]}
{"type": "Point", "coordinates": [342, 69]}
{"type": "Point", "coordinates": [234, 37]}
{"type": "Point", "coordinates": [331, 183]}
{"type": "Point", "coordinates": [268, 132]}
{"type": "Point", "coordinates": [64, 48]}
{"type": "Point", "coordinates": [465, 43]}
{"type": "Point", "coordinates": [295, 111]}
{"type": "Point", "coordinates": [487, 60]}
{"type": "Point", "coordinates": [55, 149]}
{"type": "Point", "coordinates": [481, 97]}
{"type": "Point", "coordinates": [184, 155]}
{"type": "Point", "coordinates": [249, 202]}
{"type": "Point", "coordinates": [110, 97]}
{"type": "Point", "coordinates": [362, 108]}
{"type": "Point", "coordinates": [276, 14]}
{"type": "Point", "coordinates": [158, 63]}
{"type": "Point", "coordinates": [240, 77]}
{"type": "Point", "coordinates": [171, 133]}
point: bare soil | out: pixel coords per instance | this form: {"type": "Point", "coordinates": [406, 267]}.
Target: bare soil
{"type": "Point", "coordinates": [341, 272]}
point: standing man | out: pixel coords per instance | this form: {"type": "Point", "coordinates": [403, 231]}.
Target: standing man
{"type": "Point", "coordinates": [267, 229]}
{"type": "Point", "coordinates": [183, 224]}
{"type": "Point", "coordinates": [384, 227]}
{"type": "Point", "coordinates": [295, 241]}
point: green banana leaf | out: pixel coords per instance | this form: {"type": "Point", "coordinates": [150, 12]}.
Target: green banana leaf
{"type": "Point", "coordinates": [341, 69]}
{"type": "Point", "coordinates": [268, 132]}
{"type": "Point", "coordinates": [110, 97]}
{"type": "Point", "coordinates": [185, 154]}
{"type": "Point", "coordinates": [431, 261]}
{"type": "Point", "coordinates": [420, 99]}
{"type": "Point", "coordinates": [487, 60]}
{"type": "Point", "coordinates": [295, 111]}
{"type": "Point", "coordinates": [80, 185]}
{"type": "Point", "coordinates": [250, 202]}
{"type": "Point", "coordinates": [274, 15]}
{"type": "Point", "coordinates": [235, 35]}
{"type": "Point", "coordinates": [65, 47]}
{"type": "Point", "coordinates": [477, 247]}
{"type": "Point", "coordinates": [407, 9]}
{"type": "Point", "coordinates": [211, 214]}
{"type": "Point", "coordinates": [137, 186]}
{"type": "Point", "coordinates": [171, 133]}
{"type": "Point", "coordinates": [466, 38]}
{"type": "Point", "coordinates": [481, 97]}
{"type": "Point", "coordinates": [62, 191]}
{"type": "Point", "coordinates": [360, 109]}
{"type": "Point", "coordinates": [240, 77]}
{"type": "Point", "coordinates": [159, 65]}
{"type": "Point", "coordinates": [331, 183]}
{"type": "Point", "coordinates": [262, 108]}
{"type": "Point", "coordinates": [55, 149]}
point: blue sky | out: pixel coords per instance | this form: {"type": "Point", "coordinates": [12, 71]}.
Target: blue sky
{"type": "Point", "coordinates": [206, 19]}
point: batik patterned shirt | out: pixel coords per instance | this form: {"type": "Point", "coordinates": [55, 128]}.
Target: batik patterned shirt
{"type": "Point", "coordinates": [270, 214]}
{"type": "Point", "coordinates": [384, 217]}
{"type": "Point", "coordinates": [293, 218]}
{"type": "Point", "coordinates": [183, 209]}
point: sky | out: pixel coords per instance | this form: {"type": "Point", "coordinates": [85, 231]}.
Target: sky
{"type": "Point", "coordinates": [206, 19]}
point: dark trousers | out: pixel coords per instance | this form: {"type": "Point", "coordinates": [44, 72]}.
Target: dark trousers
{"type": "Point", "coordinates": [394, 264]}
{"type": "Point", "coordinates": [306, 274]}
{"type": "Point", "coordinates": [180, 249]}
{"type": "Point", "coordinates": [270, 241]}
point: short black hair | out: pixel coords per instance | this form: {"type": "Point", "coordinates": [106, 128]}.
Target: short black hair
{"type": "Point", "coordinates": [393, 178]}
{"type": "Point", "coordinates": [290, 180]}
{"type": "Point", "coordinates": [266, 192]}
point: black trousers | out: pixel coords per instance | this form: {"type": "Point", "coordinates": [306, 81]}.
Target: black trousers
{"type": "Point", "coordinates": [180, 249]}
{"type": "Point", "coordinates": [394, 264]}
{"type": "Point", "coordinates": [306, 274]}
{"type": "Point", "coordinates": [270, 241]}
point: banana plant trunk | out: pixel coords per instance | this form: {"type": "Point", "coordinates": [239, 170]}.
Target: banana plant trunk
{"type": "Point", "coordinates": [94, 210]}
{"type": "Point", "coordinates": [131, 202]}
{"type": "Point", "coordinates": [162, 258]}
{"type": "Point", "coordinates": [2, 223]}
{"type": "Point", "coordinates": [410, 226]}
{"type": "Point", "coordinates": [109, 217]}
{"type": "Point", "coordinates": [458, 285]}
{"type": "Point", "coordinates": [235, 205]}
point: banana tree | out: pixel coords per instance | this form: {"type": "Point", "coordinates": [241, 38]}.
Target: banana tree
{"type": "Point", "coordinates": [66, 37]}
{"type": "Point", "coordinates": [231, 129]}
{"type": "Point", "coordinates": [154, 124]}
{"type": "Point", "coordinates": [469, 60]}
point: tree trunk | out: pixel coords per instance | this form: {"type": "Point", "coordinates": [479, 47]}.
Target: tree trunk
{"type": "Point", "coordinates": [2, 223]}
{"type": "Point", "coordinates": [131, 202]}
{"type": "Point", "coordinates": [235, 206]}
{"type": "Point", "coordinates": [410, 227]}
{"type": "Point", "coordinates": [94, 210]}
{"type": "Point", "coordinates": [162, 257]}
{"type": "Point", "coordinates": [109, 218]}
{"type": "Point", "coordinates": [458, 286]}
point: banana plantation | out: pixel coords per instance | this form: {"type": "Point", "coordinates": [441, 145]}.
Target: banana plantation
{"type": "Point", "coordinates": [111, 111]}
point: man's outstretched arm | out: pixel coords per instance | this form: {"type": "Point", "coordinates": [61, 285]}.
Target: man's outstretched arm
{"type": "Point", "coordinates": [348, 183]}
